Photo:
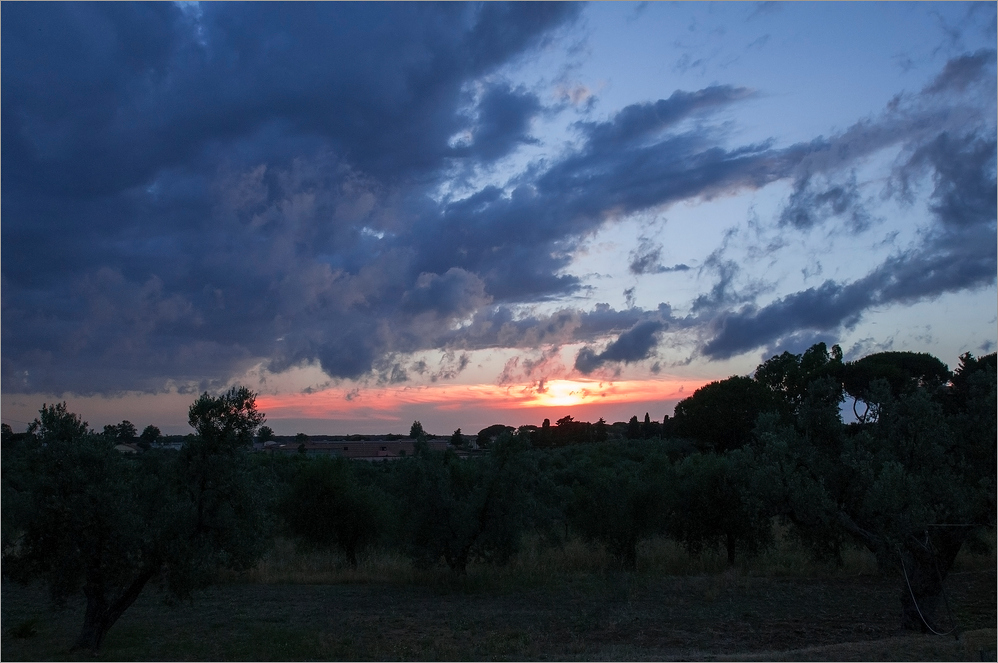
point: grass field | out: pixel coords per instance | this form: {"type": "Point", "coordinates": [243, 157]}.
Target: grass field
{"type": "Point", "coordinates": [567, 603]}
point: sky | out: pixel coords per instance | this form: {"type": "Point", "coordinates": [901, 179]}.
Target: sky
{"type": "Point", "coordinates": [468, 214]}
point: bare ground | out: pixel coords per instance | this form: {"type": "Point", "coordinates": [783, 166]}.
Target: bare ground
{"type": "Point", "coordinates": [614, 616]}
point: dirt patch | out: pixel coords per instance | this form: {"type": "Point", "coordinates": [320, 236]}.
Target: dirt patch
{"type": "Point", "coordinates": [598, 617]}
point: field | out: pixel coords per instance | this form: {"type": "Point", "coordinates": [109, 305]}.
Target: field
{"type": "Point", "coordinates": [564, 604]}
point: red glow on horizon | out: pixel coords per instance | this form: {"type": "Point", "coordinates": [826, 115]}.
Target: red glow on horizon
{"type": "Point", "coordinates": [384, 403]}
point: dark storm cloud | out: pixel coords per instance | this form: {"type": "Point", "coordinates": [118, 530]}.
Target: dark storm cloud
{"type": "Point", "coordinates": [278, 182]}
{"type": "Point", "coordinates": [500, 326]}
{"type": "Point", "coordinates": [100, 97]}
{"type": "Point", "coordinates": [827, 307]}
{"type": "Point", "coordinates": [502, 123]}
{"type": "Point", "coordinates": [243, 157]}
{"type": "Point", "coordinates": [633, 345]}
{"type": "Point", "coordinates": [188, 193]}
{"type": "Point", "coordinates": [519, 239]}
{"type": "Point", "coordinates": [456, 292]}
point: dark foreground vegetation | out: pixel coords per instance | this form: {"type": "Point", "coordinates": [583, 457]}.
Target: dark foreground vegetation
{"type": "Point", "coordinates": [451, 557]}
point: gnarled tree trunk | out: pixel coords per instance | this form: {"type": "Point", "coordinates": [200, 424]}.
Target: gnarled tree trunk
{"type": "Point", "coordinates": [630, 553]}
{"type": "Point", "coordinates": [101, 613]}
{"type": "Point", "coordinates": [925, 565]}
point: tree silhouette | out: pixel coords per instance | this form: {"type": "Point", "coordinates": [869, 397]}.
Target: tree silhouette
{"type": "Point", "coordinates": [149, 435]}
{"type": "Point", "coordinates": [633, 428]}
{"type": "Point", "coordinates": [91, 520]}
{"type": "Point", "coordinates": [721, 415]}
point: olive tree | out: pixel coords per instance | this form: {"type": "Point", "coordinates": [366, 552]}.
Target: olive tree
{"type": "Point", "coordinates": [713, 503]}
{"type": "Point", "coordinates": [461, 510]}
{"type": "Point", "coordinates": [619, 494]}
{"type": "Point", "coordinates": [84, 518]}
{"type": "Point", "coordinates": [326, 506]}
{"type": "Point", "coordinates": [910, 485]}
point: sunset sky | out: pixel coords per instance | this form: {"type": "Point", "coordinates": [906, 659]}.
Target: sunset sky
{"type": "Point", "coordinates": [473, 214]}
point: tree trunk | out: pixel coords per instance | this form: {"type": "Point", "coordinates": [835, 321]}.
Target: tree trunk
{"type": "Point", "coordinates": [101, 614]}
{"type": "Point", "coordinates": [631, 555]}
{"type": "Point", "coordinates": [459, 564]}
{"type": "Point", "coordinates": [350, 548]}
{"type": "Point", "coordinates": [925, 565]}
{"type": "Point", "coordinates": [95, 622]}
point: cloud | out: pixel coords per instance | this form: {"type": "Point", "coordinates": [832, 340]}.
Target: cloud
{"type": "Point", "coordinates": [764, 8]}
{"type": "Point", "coordinates": [575, 94]}
{"type": "Point", "coordinates": [454, 293]}
{"type": "Point", "coordinates": [112, 94]}
{"type": "Point", "coordinates": [247, 161]}
{"type": "Point", "coordinates": [957, 253]}
{"type": "Point", "coordinates": [826, 307]}
{"type": "Point", "coordinates": [633, 345]}
{"type": "Point", "coordinates": [962, 72]}
{"type": "Point", "coordinates": [946, 263]}
{"type": "Point", "coordinates": [810, 206]}
{"type": "Point", "coordinates": [644, 121]}
{"type": "Point", "coordinates": [190, 194]}
{"type": "Point", "coordinates": [963, 174]}
{"type": "Point", "coordinates": [502, 121]}
{"type": "Point", "coordinates": [647, 259]}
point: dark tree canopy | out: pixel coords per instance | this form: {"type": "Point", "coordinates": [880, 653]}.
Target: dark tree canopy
{"type": "Point", "coordinates": [599, 430]}
{"type": "Point", "coordinates": [55, 424]}
{"type": "Point", "coordinates": [150, 434]}
{"type": "Point", "coordinates": [265, 434]}
{"type": "Point", "coordinates": [229, 420]}
{"type": "Point", "coordinates": [633, 428]}
{"type": "Point", "coordinates": [712, 505]}
{"type": "Point", "coordinates": [789, 375]}
{"type": "Point", "coordinates": [123, 432]}
{"type": "Point", "coordinates": [902, 371]}
{"type": "Point", "coordinates": [721, 415]}
{"type": "Point", "coordinates": [913, 483]}
{"type": "Point", "coordinates": [458, 510]}
{"type": "Point", "coordinates": [326, 506]}
{"type": "Point", "coordinates": [612, 498]}
{"type": "Point", "coordinates": [490, 434]}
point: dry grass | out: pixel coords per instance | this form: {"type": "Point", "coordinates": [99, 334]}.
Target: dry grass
{"type": "Point", "coordinates": [539, 563]}
{"type": "Point", "coordinates": [286, 563]}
